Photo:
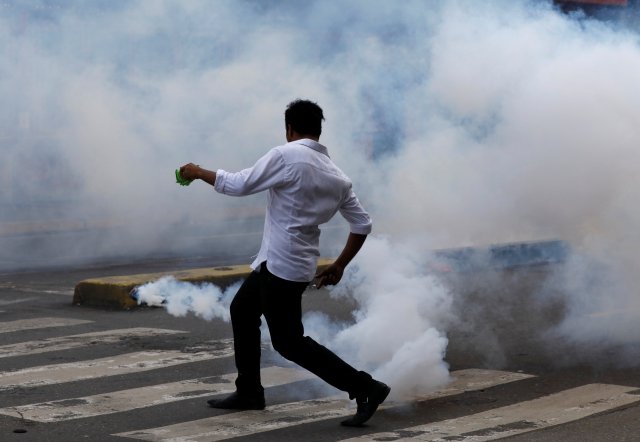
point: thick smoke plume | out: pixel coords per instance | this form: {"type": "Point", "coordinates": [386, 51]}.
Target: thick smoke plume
{"type": "Point", "coordinates": [460, 122]}
{"type": "Point", "coordinates": [397, 330]}
{"type": "Point", "coordinates": [206, 301]}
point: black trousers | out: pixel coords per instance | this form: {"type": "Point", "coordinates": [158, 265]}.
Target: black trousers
{"type": "Point", "coordinates": [279, 300]}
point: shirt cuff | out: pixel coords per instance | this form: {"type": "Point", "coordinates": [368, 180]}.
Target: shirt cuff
{"type": "Point", "coordinates": [221, 178]}
{"type": "Point", "coordinates": [361, 229]}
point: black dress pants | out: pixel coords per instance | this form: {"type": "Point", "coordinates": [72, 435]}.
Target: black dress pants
{"type": "Point", "coordinates": [280, 301]}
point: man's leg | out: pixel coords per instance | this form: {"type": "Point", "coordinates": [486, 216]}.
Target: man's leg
{"type": "Point", "coordinates": [245, 321]}
{"type": "Point", "coordinates": [282, 308]}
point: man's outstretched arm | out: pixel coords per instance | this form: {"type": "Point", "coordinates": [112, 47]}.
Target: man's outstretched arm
{"type": "Point", "coordinates": [194, 172]}
{"type": "Point", "coordinates": [333, 274]}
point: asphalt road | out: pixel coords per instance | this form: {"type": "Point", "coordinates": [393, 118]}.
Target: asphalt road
{"type": "Point", "coordinates": [71, 373]}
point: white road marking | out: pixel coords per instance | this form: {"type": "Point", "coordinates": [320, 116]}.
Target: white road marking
{"type": "Point", "coordinates": [16, 301]}
{"type": "Point", "coordinates": [34, 323]}
{"type": "Point", "coordinates": [474, 379]}
{"type": "Point", "coordinates": [555, 409]}
{"type": "Point", "coordinates": [80, 340]}
{"type": "Point", "coordinates": [608, 314]}
{"type": "Point", "coordinates": [111, 366]}
{"type": "Point", "coordinates": [245, 423]}
{"type": "Point", "coordinates": [126, 400]}
{"type": "Point", "coordinates": [65, 292]}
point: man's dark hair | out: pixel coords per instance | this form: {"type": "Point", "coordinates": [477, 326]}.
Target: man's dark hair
{"type": "Point", "coordinates": [305, 117]}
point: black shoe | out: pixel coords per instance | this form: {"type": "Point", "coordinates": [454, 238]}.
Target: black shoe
{"type": "Point", "coordinates": [238, 402]}
{"type": "Point", "coordinates": [368, 405]}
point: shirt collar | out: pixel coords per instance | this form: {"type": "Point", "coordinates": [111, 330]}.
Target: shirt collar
{"type": "Point", "coordinates": [307, 142]}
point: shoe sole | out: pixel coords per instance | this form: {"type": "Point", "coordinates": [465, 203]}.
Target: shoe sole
{"type": "Point", "coordinates": [353, 422]}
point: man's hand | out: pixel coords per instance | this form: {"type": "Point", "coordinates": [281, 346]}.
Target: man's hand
{"type": "Point", "coordinates": [190, 171]}
{"type": "Point", "coordinates": [330, 276]}
{"type": "Point", "coordinates": [194, 172]}
{"type": "Point", "coordinates": [333, 274]}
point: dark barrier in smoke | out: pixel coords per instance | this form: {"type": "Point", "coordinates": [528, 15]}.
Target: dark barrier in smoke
{"type": "Point", "coordinates": [503, 256]}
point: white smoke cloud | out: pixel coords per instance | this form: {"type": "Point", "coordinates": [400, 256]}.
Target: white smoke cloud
{"type": "Point", "coordinates": [401, 313]}
{"type": "Point", "coordinates": [206, 301]}
{"type": "Point", "coordinates": [536, 138]}
{"type": "Point", "coordinates": [460, 122]}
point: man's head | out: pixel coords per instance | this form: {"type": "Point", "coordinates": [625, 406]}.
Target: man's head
{"type": "Point", "coordinates": [303, 119]}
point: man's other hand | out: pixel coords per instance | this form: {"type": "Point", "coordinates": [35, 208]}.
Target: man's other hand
{"type": "Point", "coordinates": [329, 276]}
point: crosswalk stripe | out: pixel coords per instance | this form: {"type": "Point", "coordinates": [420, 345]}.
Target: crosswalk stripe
{"type": "Point", "coordinates": [127, 400]}
{"type": "Point", "coordinates": [110, 366]}
{"type": "Point", "coordinates": [555, 409]}
{"type": "Point", "coordinates": [474, 379]}
{"type": "Point", "coordinates": [246, 423]}
{"type": "Point", "coordinates": [80, 340]}
{"type": "Point", "coordinates": [34, 323]}
{"type": "Point", "coordinates": [295, 413]}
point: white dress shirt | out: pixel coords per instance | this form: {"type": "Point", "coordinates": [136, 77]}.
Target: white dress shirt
{"type": "Point", "coordinates": [306, 189]}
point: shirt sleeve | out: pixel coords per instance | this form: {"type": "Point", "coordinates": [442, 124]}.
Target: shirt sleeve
{"type": "Point", "coordinates": [358, 219]}
{"type": "Point", "coordinates": [268, 171]}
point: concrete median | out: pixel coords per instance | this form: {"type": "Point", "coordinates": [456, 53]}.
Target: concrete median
{"type": "Point", "coordinates": [113, 291]}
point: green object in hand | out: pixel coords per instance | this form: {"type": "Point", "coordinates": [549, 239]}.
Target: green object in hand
{"type": "Point", "coordinates": [180, 180]}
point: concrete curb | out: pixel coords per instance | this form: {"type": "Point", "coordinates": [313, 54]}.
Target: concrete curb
{"type": "Point", "coordinates": [113, 291]}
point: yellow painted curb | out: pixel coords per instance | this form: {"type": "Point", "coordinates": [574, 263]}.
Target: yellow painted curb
{"type": "Point", "coordinates": [113, 291]}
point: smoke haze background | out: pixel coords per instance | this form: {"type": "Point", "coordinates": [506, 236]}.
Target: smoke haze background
{"type": "Point", "coordinates": [460, 123]}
